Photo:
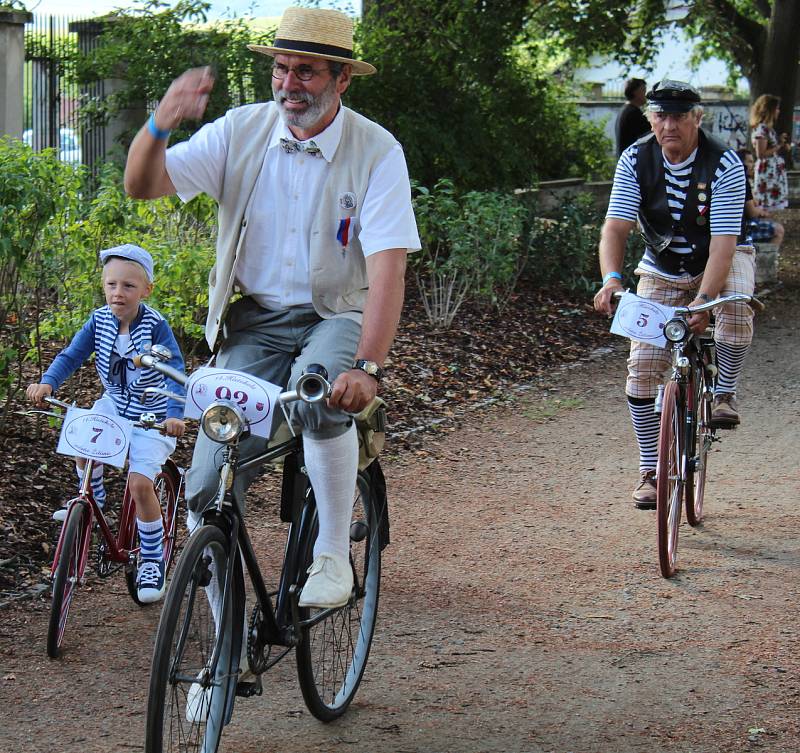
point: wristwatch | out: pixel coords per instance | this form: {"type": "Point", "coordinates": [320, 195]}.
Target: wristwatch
{"type": "Point", "coordinates": [369, 367]}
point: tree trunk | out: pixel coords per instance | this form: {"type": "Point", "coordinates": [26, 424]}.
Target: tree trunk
{"type": "Point", "coordinates": [777, 71]}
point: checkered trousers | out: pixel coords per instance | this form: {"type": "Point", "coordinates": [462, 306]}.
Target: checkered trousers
{"type": "Point", "coordinates": [648, 364]}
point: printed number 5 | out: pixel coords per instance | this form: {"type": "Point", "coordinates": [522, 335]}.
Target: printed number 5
{"type": "Point", "coordinates": [641, 322]}
{"type": "Point", "coordinates": [97, 433]}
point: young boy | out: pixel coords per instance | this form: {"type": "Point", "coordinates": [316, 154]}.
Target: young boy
{"type": "Point", "coordinates": [116, 333]}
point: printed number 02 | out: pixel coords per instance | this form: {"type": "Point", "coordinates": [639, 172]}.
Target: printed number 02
{"type": "Point", "coordinates": [224, 393]}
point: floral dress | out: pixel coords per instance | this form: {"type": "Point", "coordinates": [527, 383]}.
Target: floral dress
{"type": "Point", "coordinates": [770, 187]}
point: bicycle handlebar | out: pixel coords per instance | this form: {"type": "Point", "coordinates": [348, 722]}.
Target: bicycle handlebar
{"type": "Point", "coordinates": [146, 420]}
{"type": "Point", "coordinates": [684, 310]}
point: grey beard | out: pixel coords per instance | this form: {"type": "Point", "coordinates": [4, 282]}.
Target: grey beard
{"type": "Point", "coordinates": [318, 106]}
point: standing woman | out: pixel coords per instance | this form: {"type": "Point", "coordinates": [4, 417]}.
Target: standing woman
{"type": "Point", "coordinates": [770, 187]}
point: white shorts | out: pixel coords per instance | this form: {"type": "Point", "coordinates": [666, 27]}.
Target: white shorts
{"type": "Point", "coordinates": [149, 448]}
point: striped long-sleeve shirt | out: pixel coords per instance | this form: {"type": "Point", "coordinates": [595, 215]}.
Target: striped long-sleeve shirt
{"type": "Point", "coordinates": [727, 198]}
{"type": "Point", "coordinates": [99, 336]}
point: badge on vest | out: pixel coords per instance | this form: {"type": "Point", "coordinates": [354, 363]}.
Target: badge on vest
{"type": "Point", "coordinates": [702, 196]}
{"type": "Point", "coordinates": [347, 200]}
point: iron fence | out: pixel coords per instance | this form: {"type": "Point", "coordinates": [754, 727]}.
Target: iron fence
{"type": "Point", "coordinates": [53, 95]}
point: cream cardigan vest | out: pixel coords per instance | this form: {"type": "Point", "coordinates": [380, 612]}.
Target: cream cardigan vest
{"type": "Point", "coordinates": [338, 273]}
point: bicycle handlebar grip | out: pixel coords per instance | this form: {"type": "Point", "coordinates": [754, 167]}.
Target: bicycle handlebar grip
{"type": "Point", "coordinates": [148, 361]}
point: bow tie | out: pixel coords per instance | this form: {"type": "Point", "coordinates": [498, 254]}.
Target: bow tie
{"type": "Point", "coordinates": [290, 146]}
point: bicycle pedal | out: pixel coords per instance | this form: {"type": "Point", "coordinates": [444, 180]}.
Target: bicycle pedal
{"type": "Point", "coordinates": [249, 689]}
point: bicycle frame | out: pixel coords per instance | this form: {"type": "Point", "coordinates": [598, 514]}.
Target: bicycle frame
{"type": "Point", "coordinates": [281, 623]}
{"type": "Point", "coordinates": [114, 552]}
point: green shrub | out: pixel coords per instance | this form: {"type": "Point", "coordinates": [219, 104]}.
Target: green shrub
{"type": "Point", "coordinates": [564, 249]}
{"type": "Point", "coordinates": [470, 248]}
{"type": "Point", "coordinates": [39, 201]}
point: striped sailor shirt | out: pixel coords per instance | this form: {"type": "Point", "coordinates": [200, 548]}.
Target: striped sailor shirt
{"type": "Point", "coordinates": [727, 198]}
{"type": "Point", "coordinates": [99, 336]}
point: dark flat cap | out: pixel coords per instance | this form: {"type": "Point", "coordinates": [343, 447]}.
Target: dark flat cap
{"type": "Point", "coordinates": [672, 96]}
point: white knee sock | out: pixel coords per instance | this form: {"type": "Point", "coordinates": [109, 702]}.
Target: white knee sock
{"type": "Point", "coordinates": [332, 466]}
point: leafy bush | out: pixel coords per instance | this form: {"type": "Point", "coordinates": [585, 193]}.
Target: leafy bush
{"type": "Point", "coordinates": [470, 248]}
{"type": "Point", "coordinates": [563, 249]}
{"type": "Point", "coordinates": [38, 203]}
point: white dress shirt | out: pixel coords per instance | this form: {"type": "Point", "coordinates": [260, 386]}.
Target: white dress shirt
{"type": "Point", "coordinates": [273, 265]}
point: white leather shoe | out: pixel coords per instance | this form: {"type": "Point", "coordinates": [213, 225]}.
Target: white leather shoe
{"type": "Point", "coordinates": [198, 702]}
{"type": "Point", "coordinates": [329, 584]}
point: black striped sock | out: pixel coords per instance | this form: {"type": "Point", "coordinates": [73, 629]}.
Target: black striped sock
{"type": "Point", "coordinates": [646, 423]}
{"type": "Point", "coordinates": [730, 359]}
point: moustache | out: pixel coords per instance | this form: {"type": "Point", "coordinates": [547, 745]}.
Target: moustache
{"type": "Point", "coordinates": [304, 97]}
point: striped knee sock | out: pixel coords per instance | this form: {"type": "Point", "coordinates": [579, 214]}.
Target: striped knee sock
{"type": "Point", "coordinates": [98, 488]}
{"type": "Point", "coordinates": [646, 425]}
{"type": "Point", "coordinates": [151, 535]}
{"type": "Point", "coordinates": [730, 360]}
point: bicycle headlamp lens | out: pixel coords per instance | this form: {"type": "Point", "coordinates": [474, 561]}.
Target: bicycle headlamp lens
{"type": "Point", "coordinates": [675, 330]}
{"type": "Point", "coordinates": [222, 422]}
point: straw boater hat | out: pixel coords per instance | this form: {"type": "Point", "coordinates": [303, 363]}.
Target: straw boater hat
{"type": "Point", "coordinates": [317, 33]}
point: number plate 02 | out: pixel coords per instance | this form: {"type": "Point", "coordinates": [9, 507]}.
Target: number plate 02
{"type": "Point", "coordinates": [255, 397]}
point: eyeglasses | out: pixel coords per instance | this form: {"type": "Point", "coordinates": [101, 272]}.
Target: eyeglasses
{"type": "Point", "coordinates": [303, 72]}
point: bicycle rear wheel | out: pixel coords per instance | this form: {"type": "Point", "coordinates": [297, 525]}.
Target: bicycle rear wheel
{"type": "Point", "coordinates": [669, 484]}
{"type": "Point", "coordinates": [68, 573]}
{"type": "Point", "coordinates": [332, 654]}
{"type": "Point", "coordinates": [166, 487]}
{"type": "Point", "coordinates": [701, 438]}
{"type": "Point", "coordinates": [191, 681]}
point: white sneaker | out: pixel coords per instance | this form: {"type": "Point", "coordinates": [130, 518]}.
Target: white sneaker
{"type": "Point", "coordinates": [198, 702]}
{"type": "Point", "coordinates": [329, 584]}
{"type": "Point", "coordinates": [151, 582]}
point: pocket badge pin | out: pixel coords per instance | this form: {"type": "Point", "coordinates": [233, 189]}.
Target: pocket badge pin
{"type": "Point", "coordinates": [702, 196]}
{"type": "Point", "coordinates": [347, 200]}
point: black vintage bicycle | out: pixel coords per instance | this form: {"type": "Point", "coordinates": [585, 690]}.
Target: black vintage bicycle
{"type": "Point", "coordinates": [686, 432]}
{"type": "Point", "coordinates": [204, 632]}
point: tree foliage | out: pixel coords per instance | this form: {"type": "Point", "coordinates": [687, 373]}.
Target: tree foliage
{"type": "Point", "coordinates": [758, 39]}
{"type": "Point", "coordinates": [151, 43]}
{"type": "Point", "coordinates": [468, 98]}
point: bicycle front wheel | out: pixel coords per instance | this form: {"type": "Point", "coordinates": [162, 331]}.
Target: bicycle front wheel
{"type": "Point", "coordinates": [191, 680]}
{"type": "Point", "coordinates": [332, 653]}
{"type": "Point", "coordinates": [669, 482]}
{"type": "Point", "coordinates": [166, 489]}
{"type": "Point", "coordinates": [68, 573]}
{"type": "Point", "coordinates": [701, 438]}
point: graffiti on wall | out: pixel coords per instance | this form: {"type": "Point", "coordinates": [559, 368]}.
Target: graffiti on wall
{"type": "Point", "coordinates": [728, 123]}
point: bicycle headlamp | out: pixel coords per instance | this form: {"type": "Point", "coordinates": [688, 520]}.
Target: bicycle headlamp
{"type": "Point", "coordinates": [676, 330]}
{"type": "Point", "coordinates": [223, 421]}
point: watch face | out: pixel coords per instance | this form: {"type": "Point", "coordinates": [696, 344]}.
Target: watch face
{"type": "Point", "coordinates": [371, 368]}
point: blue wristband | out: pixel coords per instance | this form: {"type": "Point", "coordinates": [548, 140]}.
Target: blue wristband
{"type": "Point", "coordinates": [155, 131]}
{"type": "Point", "coordinates": [611, 275]}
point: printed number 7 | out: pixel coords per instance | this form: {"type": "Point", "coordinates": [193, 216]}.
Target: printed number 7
{"type": "Point", "coordinates": [97, 433]}
{"type": "Point", "coordinates": [641, 322]}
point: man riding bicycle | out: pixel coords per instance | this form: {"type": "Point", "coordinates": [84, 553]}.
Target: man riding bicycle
{"type": "Point", "coordinates": [687, 192]}
{"type": "Point", "coordinates": [315, 222]}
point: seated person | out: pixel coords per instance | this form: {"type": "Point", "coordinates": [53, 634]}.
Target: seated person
{"type": "Point", "coordinates": [759, 228]}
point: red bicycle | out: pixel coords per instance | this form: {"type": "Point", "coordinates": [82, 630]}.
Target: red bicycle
{"type": "Point", "coordinates": [113, 550]}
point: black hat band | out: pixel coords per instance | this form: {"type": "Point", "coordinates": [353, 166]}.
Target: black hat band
{"type": "Point", "coordinates": [323, 50]}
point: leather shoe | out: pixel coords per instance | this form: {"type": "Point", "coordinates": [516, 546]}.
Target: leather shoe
{"type": "Point", "coordinates": [644, 495]}
{"type": "Point", "coordinates": [724, 414]}
{"type": "Point", "coordinates": [329, 584]}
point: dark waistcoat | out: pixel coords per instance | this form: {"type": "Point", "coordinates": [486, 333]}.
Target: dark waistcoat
{"type": "Point", "coordinates": [656, 223]}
